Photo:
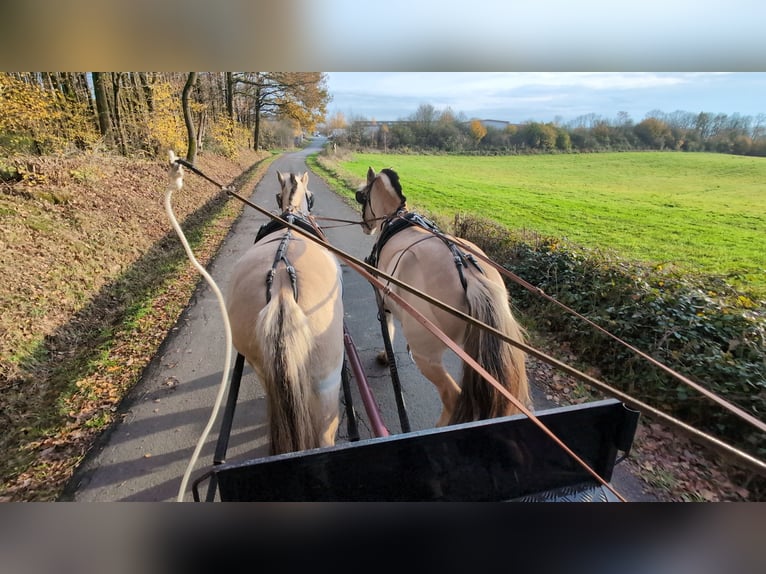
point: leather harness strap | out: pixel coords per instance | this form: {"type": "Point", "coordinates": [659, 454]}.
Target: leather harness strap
{"type": "Point", "coordinates": [403, 219]}
{"type": "Point", "coordinates": [281, 254]}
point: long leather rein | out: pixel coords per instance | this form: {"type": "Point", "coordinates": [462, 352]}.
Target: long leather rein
{"type": "Point", "coordinates": [372, 274]}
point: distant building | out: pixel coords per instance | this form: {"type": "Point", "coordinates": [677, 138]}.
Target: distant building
{"type": "Point", "coordinates": [495, 124]}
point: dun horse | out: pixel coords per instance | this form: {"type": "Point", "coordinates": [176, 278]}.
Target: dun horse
{"type": "Point", "coordinates": [408, 250]}
{"type": "Point", "coordinates": [286, 314]}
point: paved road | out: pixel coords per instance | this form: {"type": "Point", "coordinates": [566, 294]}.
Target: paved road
{"type": "Point", "coordinates": [144, 457]}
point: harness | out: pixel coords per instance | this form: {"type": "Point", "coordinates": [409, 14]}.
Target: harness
{"type": "Point", "coordinates": [281, 254]}
{"type": "Point", "coordinates": [402, 220]}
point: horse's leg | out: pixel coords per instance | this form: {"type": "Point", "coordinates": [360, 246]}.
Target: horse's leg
{"type": "Point", "coordinates": [433, 369]}
{"type": "Point", "coordinates": [327, 407]}
{"type": "Point", "coordinates": [382, 357]}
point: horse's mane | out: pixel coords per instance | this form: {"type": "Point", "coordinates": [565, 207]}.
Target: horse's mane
{"type": "Point", "coordinates": [393, 177]}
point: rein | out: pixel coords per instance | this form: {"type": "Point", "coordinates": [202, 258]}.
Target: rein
{"type": "Point", "coordinates": [372, 274]}
{"type": "Point", "coordinates": [346, 222]}
{"type": "Point", "coordinates": [709, 394]}
{"type": "Point", "coordinates": [369, 273]}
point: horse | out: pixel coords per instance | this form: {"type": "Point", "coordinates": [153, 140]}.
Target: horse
{"type": "Point", "coordinates": [412, 249]}
{"type": "Point", "coordinates": [286, 313]}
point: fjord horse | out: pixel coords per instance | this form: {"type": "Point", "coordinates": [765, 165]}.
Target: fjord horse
{"type": "Point", "coordinates": [286, 312]}
{"type": "Point", "coordinates": [407, 250]}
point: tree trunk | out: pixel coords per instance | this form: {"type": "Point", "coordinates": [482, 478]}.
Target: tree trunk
{"type": "Point", "coordinates": [102, 104]}
{"type": "Point", "coordinates": [257, 131]}
{"type": "Point", "coordinates": [201, 129]}
{"type": "Point", "coordinates": [117, 114]}
{"type": "Point", "coordinates": [230, 94]}
{"type": "Point", "coordinates": [191, 152]}
{"type": "Point", "coordinates": [147, 91]}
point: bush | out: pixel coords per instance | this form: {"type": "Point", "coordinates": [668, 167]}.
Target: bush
{"type": "Point", "coordinates": [698, 326]}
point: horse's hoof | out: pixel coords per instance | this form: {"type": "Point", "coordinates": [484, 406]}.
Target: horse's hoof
{"type": "Point", "coordinates": [382, 358]}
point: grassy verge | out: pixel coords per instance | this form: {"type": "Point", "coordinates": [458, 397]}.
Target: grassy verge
{"type": "Point", "coordinates": [63, 390]}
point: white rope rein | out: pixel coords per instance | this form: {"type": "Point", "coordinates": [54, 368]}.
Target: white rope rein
{"type": "Point", "coordinates": [176, 183]}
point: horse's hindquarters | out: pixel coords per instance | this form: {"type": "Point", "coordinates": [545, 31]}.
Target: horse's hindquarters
{"type": "Point", "coordinates": [294, 345]}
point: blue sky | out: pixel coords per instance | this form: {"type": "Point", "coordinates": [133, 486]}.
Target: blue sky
{"type": "Point", "coordinates": [545, 96]}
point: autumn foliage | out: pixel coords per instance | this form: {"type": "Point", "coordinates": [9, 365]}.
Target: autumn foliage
{"type": "Point", "coordinates": [40, 120]}
{"type": "Point", "coordinates": [139, 114]}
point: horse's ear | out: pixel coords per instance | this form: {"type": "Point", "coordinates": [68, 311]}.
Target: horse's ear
{"type": "Point", "coordinates": [305, 179]}
{"type": "Point", "coordinates": [370, 175]}
{"type": "Point", "coordinates": [281, 178]}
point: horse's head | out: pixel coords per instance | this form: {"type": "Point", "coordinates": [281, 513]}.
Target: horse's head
{"type": "Point", "coordinates": [295, 196]}
{"type": "Point", "coordinates": [380, 197]}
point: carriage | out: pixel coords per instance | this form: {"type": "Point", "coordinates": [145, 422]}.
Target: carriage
{"type": "Point", "coordinates": [488, 447]}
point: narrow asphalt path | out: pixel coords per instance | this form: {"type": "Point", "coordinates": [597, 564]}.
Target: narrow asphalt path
{"type": "Point", "coordinates": [144, 456]}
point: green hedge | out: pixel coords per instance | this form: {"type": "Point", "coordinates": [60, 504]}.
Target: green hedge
{"type": "Point", "coordinates": [699, 326]}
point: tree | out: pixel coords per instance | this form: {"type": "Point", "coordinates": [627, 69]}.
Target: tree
{"type": "Point", "coordinates": [301, 96]}
{"type": "Point", "coordinates": [623, 119]}
{"type": "Point", "coordinates": [654, 132]}
{"type": "Point", "coordinates": [191, 150]}
{"type": "Point", "coordinates": [703, 125]}
{"type": "Point", "coordinates": [424, 116]}
{"type": "Point", "coordinates": [102, 104]}
{"type": "Point", "coordinates": [478, 131]}
{"type": "Point", "coordinates": [759, 127]}
{"type": "Point", "coordinates": [384, 136]}
{"type": "Point", "coordinates": [540, 136]}
{"type": "Point", "coordinates": [563, 141]}
{"type": "Point", "coordinates": [336, 123]}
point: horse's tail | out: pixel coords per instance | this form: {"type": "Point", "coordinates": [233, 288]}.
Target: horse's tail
{"type": "Point", "coordinates": [285, 340]}
{"type": "Point", "coordinates": [479, 399]}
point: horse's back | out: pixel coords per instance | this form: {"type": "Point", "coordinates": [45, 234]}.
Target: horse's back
{"type": "Point", "coordinates": [424, 262]}
{"type": "Point", "coordinates": [317, 283]}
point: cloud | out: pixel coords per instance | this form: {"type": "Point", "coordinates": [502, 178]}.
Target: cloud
{"type": "Point", "coordinates": [507, 95]}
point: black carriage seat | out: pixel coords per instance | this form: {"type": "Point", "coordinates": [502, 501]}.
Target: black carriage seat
{"type": "Point", "coordinates": [503, 459]}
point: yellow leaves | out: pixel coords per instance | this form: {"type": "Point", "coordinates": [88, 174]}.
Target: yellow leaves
{"type": "Point", "coordinates": [745, 302]}
{"type": "Point", "coordinates": [478, 130]}
{"type": "Point", "coordinates": [228, 136]}
{"type": "Point", "coordinates": [42, 115]}
{"type": "Point", "coordinates": [166, 125]}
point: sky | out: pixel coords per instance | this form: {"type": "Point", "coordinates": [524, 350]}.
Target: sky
{"type": "Point", "coordinates": [544, 96]}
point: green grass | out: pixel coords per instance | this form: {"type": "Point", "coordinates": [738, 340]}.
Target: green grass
{"type": "Point", "coordinates": [698, 212]}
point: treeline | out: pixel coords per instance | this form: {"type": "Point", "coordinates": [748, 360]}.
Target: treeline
{"type": "Point", "coordinates": [140, 113]}
{"type": "Point", "coordinates": [430, 129]}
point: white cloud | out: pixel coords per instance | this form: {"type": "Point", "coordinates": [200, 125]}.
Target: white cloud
{"type": "Point", "coordinates": [542, 96]}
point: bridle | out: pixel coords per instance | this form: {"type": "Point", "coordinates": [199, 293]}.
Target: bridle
{"type": "Point", "coordinates": [362, 197]}
{"type": "Point", "coordinates": [401, 219]}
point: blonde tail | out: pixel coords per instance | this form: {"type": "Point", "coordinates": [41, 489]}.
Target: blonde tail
{"type": "Point", "coordinates": [479, 399]}
{"type": "Point", "coordinates": [284, 345]}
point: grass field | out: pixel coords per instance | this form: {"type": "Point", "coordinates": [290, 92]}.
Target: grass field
{"type": "Point", "coordinates": [698, 212]}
